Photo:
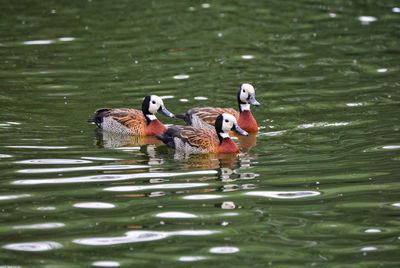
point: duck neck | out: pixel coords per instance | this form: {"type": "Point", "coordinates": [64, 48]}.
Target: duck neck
{"type": "Point", "coordinates": [155, 127]}
{"type": "Point", "coordinates": [222, 136]}
{"type": "Point", "coordinates": [247, 122]}
{"type": "Point", "coordinates": [228, 146]}
{"type": "Point", "coordinates": [244, 107]}
{"type": "Point", "coordinates": [149, 118]}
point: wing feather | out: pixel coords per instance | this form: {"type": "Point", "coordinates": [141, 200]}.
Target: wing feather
{"type": "Point", "coordinates": [201, 138]}
{"type": "Point", "coordinates": [130, 118]}
{"type": "Point", "coordinates": [210, 114]}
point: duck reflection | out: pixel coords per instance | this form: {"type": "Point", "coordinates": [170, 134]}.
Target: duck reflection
{"type": "Point", "coordinates": [247, 142]}
{"type": "Point", "coordinates": [206, 161]}
{"type": "Point", "coordinates": [108, 139]}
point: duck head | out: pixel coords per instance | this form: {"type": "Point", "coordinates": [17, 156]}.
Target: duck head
{"type": "Point", "coordinates": [151, 105]}
{"type": "Point", "coordinates": [225, 123]}
{"type": "Point", "coordinates": [246, 96]}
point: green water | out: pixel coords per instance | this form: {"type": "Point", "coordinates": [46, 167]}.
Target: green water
{"type": "Point", "coordinates": [320, 187]}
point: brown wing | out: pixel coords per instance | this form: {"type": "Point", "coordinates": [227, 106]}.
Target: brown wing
{"type": "Point", "coordinates": [202, 138]}
{"type": "Point", "coordinates": [210, 114]}
{"type": "Point", "coordinates": [130, 118]}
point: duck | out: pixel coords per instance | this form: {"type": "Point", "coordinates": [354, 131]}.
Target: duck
{"type": "Point", "coordinates": [131, 121]}
{"type": "Point", "coordinates": [198, 117]}
{"type": "Point", "coordinates": [189, 139]}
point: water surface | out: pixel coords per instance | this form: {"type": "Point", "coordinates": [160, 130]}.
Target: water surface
{"type": "Point", "coordinates": [318, 185]}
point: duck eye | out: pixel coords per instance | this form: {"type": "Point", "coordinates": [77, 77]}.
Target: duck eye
{"type": "Point", "coordinates": [154, 102]}
{"type": "Point", "coordinates": [226, 120]}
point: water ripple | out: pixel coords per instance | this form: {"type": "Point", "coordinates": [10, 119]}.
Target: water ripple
{"type": "Point", "coordinates": [139, 236]}
{"type": "Point", "coordinates": [108, 167]}
{"type": "Point", "coordinates": [176, 215]}
{"type": "Point", "coordinates": [284, 195]}
{"type": "Point", "coordinates": [106, 264]}
{"type": "Point", "coordinates": [323, 124]}
{"type": "Point", "coordinates": [108, 177]}
{"type": "Point", "coordinates": [224, 250]}
{"type": "Point", "coordinates": [202, 197]}
{"type": "Point", "coordinates": [48, 225]}
{"type": "Point", "coordinates": [156, 186]}
{"type": "Point", "coordinates": [191, 258]}
{"type": "Point", "coordinates": [34, 246]}
{"type": "Point", "coordinates": [97, 205]}
{"type": "Point", "coordinates": [37, 147]}
{"type": "Point", "coordinates": [8, 197]}
{"type": "Point", "coordinates": [53, 161]}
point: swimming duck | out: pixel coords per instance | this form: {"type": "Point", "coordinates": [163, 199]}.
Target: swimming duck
{"type": "Point", "coordinates": [190, 139]}
{"type": "Point", "coordinates": [246, 95]}
{"type": "Point", "coordinates": [131, 121]}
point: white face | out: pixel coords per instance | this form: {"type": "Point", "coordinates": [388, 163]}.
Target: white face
{"type": "Point", "coordinates": [245, 90]}
{"type": "Point", "coordinates": [227, 122]}
{"type": "Point", "coordinates": [155, 104]}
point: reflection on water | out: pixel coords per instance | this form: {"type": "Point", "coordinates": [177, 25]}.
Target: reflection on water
{"type": "Point", "coordinates": [112, 140]}
{"type": "Point", "coordinates": [139, 236]}
{"type": "Point", "coordinates": [316, 186]}
{"type": "Point", "coordinates": [34, 246]}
